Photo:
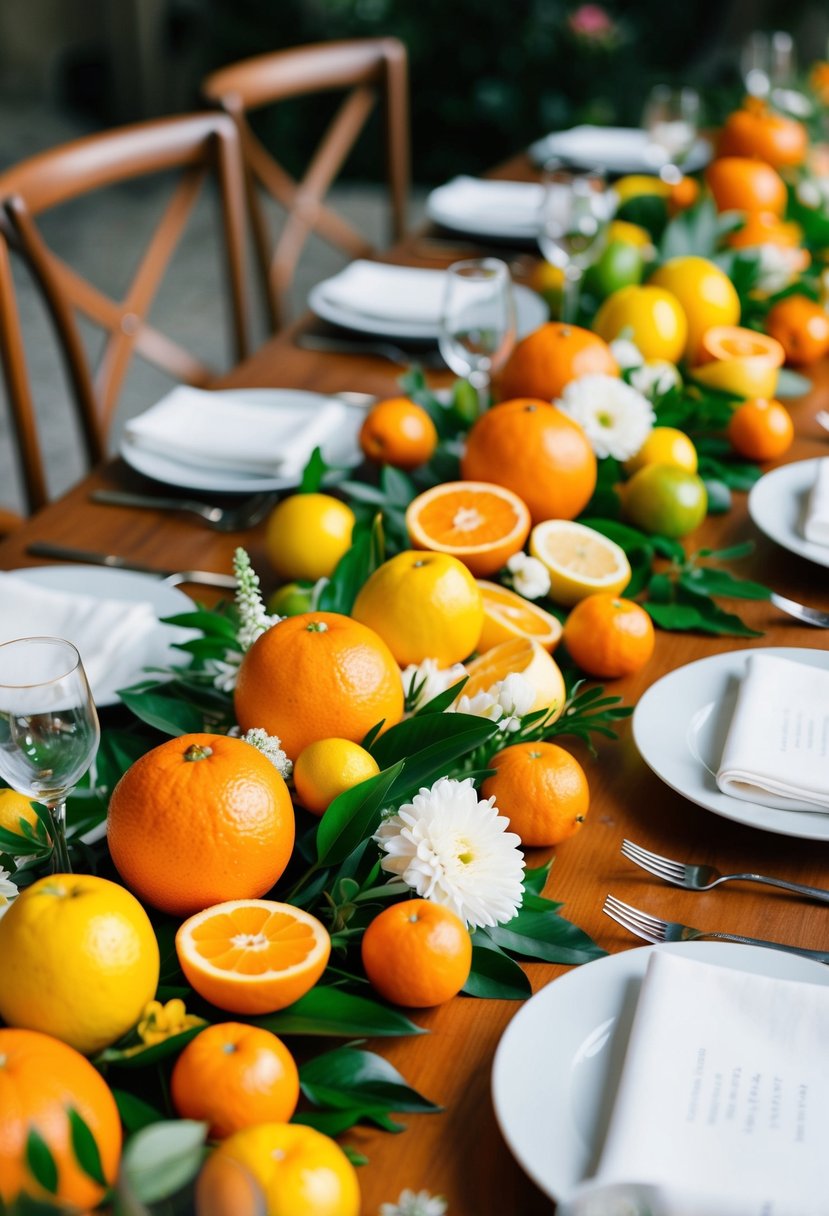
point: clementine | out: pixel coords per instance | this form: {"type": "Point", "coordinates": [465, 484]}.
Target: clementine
{"type": "Point", "coordinates": [550, 357]}
{"type": "Point", "coordinates": [319, 675]}
{"type": "Point", "coordinates": [741, 183]}
{"type": "Point", "coordinates": [536, 451]}
{"type": "Point", "coordinates": [756, 130]}
{"type": "Point", "coordinates": [478, 522]}
{"type": "Point", "coordinates": [541, 789]}
{"type": "Point", "coordinates": [801, 327]}
{"type": "Point", "coordinates": [608, 636]}
{"type": "Point", "coordinates": [761, 429]}
{"type": "Point", "coordinates": [417, 953]}
{"type": "Point", "coordinates": [398, 432]}
{"type": "Point", "coordinates": [199, 819]}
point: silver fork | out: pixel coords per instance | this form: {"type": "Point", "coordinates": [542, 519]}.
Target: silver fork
{"type": "Point", "coordinates": [653, 929]}
{"type": "Point", "coordinates": [810, 616]}
{"type": "Point", "coordinates": [223, 519]}
{"type": "Point", "coordinates": [822, 419]}
{"type": "Point", "coordinates": [703, 878]}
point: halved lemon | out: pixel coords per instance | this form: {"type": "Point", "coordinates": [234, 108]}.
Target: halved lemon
{"type": "Point", "coordinates": [508, 615]}
{"type": "Point", "coordinates": [526, 658]}
{"type": "Point", "coordinates": [740, 361]}
{"type": "Point", "coordinates": [579, 559]}
{"type": "Point", "coordinates": [479, 523]}
{"type": "Point", "coordinates": [252, 955]}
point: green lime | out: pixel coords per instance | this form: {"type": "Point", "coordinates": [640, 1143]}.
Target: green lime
{"type": "Point", "coordinates": [620, 265]}
{"type": "Point", "coordinates": [290, 599]}
{"type": "Point", "coordinates": [661, 498]}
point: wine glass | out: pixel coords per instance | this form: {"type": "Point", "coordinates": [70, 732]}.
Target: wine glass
{"type": "Point", "coordinates": [767, 61]}
{"type": "Point", "coordinates": [49, 730]}
{"type": "Point", "coordinates": [477, 331]}
{"type": "Point", "coordinates": [575, 210]}
{"type": "Point", "coordinates": [671, 119]}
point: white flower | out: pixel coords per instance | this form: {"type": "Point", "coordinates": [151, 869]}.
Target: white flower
{"type": "Point", "coordinates": [482, 705]}
{"type": "Point", "coordinates": [655, 378]}
{"type": "Point", "coordinates": [626, 353]}
{"type": "Point", "coordinates": [515, 696]}
{"type": "Point", "coordinates": [777, 267]}
{"type": "Point", "coordinates": [530, 577]}
{"type": "Point", "coordinates": [271, 747]}
{"type": "Point", "coordinates": [8, 891]}
{"type": "Point", "coordinates": [254, 620]}
{"type": "Point", "coordinates": [225, 672]}
{"type": "Point", "coordinates": [411, 1204]}
{"type": "Point", "coordinates": [810, 194]}
{"type": "Point", "coordinates": [455, 850]}
{"type": "Point", "coordinates": [424, 681]}
{"type": "Point", "coordinates": [615, 417]}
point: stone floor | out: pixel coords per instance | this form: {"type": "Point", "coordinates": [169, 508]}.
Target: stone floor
{"type": "Point", "coordinates": [104, 242]}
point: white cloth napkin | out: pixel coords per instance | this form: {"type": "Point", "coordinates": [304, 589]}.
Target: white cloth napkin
{"type": "Point", "coordinates": [614, 148]}
{"type": "Point", "coordinates": [776, 751]}
{"type": "Point", "coordinates": [217, 430]}
{"type": "Point", "coordinates": [723, 1102]}
{"type": "Point", "coordinates": [115, 637]}
{"type": "Point", "coordinates": [511, 206]}
{"type": "Point", "coordinates": [816, 523]}
{"type": "Point", "coordinates": [390, 293]}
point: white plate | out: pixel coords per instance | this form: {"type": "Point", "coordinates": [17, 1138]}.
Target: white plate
{"type": "Point", "coordinates": [530, 310]}
{"type": "Point", "coordinates": [777, 505]}
{"type": "Point", "coordinates": [131, 587]}
{"type": "Point", "coordinates": [483, 208]}
{"type": "Point", "coordinates": [679, 727]}
{"type": "Point", "coordinates": [615, 149]}
{"type": "Point", "coordinates": [558, 1064]}
{"type": "Point", "coordinates": [340, 448]}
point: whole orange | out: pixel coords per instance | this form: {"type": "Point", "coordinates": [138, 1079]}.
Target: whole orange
{"type": "Point", "coordinates": [761, 429]}
{"type": "Point", "coordinates": [756, 130]}
{"type": "Point", "coordinates": [550, 357]}
{"type": "Point", "coordinates": [536, 451]}
{"type": "Point", "coordinates": [319, 675]}
{"type": "Point", "coordinates": [740, 183]}
{"type": "Point", "coordinates": [41, 1079]}
{"type": "Point", "coordinates": [233, 1075]}
{"type": "Point", "coordinates": [608, 636]}
{"type": "Point", "coordinates": [541, 789]}
{"type": "Point", "coordinates": [417, 953]}
{"type": "Point", "coordinates": [764, 228]}
{"type": "Point", "coordinates": [801, 327]}
{"type": "Point", "coordinates": [198, 820]}
{"type": "Point", "coordinates": [398, 432]}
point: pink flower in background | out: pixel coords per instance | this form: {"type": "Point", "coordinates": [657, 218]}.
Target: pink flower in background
{"type": "Point", "coordinates": [592, 23]}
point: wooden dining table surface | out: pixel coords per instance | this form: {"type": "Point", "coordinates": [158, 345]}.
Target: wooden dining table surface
{"type": "Point", "coordinates": [460, 1153]}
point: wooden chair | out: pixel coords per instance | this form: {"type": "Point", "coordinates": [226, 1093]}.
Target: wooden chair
{"type": "Point", "coordinates": [367, 68]}
{"type": "Point", "coordinates": [198, 145]}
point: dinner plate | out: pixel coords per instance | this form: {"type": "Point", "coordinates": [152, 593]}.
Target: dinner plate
{"type": "Point", "coordinates": [777, 505]}
{"type": "Point", "coordinates": [679, 727]}
{"type": "Point", "coordinates": [340, 448]}
{"type": "Point", "coordinates": [131, 587]}
{"type": "Point", "coordinates": [530, 312]}
{"type": "Point", "coordinates": [615, 149]}
{"type": "Point", "coordinates": [558, 1063]}
{"type": "Point", "coordinates": [503, 210]}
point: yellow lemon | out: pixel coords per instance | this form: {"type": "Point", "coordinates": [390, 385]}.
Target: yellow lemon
{"type": "Point", "coordinates": [665, 445]}
{"type": "Point", "coordinates": [580, 560]}
{"type": "Point", "coordinates": [637, 184]}
{"type": "Point", "coordinates": [707, 295]}
{"type": "Point", "coordinates": [631, 234]}
{"type": "Point", "coordinates": [650, 316]}
{"type": "Point", "coordinates": [80, 960]}
{"type": "Point", "coordinates": [330, 767]}
{"type": "Point", "coordinates": [13, 808]}
{"type": "Point", "coordinates": [424, 606]}
{"type": "Point", "coordinates": [523, 657]}
{"type": "Point", "coordinates": [307, 534]}
{"type": "Point", "coordinates": [741, 361]}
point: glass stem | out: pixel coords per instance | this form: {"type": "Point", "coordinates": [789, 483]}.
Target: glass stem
{"type": "Point", "coordinates": [571, 293]}
{"type": "Point", "coordinates": [60, 850]}
{"type": "Point", "coordinates": [480, 382]}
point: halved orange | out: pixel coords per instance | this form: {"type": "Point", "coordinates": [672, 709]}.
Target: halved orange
{"type": "Point", "coordinates": [480, 523]}
{"type": "Point", "coordinates": [526, 658]}
{"type": "Point", "coordinates": [252, 955]}
{"type": "Point", "coordinates": [736, 342]}
{"type": "Point", "coordinates": [740, 361]}
{"type": "Point", "coordinates": [579, 560]}
{"type": "Point", "coordinates": [508, 615]}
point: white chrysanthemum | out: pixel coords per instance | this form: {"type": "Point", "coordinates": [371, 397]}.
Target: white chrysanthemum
{"type": "Point", "coordinates": [655, 378]}
{"type": "Point", "coordinates": [455, 850]}
{"type": "Point", "coordinates": [424, 681]}
{"type": "Point", "coordinates": [8, 891]}
{"type": "Point", "coordinates": [271, 748]}
{"type": "Point", "coordinates": [411, 1203]}
{"type": "Point", "coordinates": [626, 353]}
{"type": "Point", "coordinates": [615, 417]}
{"type": "Point", "coordinates": [530, 577]}
{"type": "Point", "coordinates": [482, 705]}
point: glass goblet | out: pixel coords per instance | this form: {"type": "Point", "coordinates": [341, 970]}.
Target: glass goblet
{"type": "Point", "coordinates": [575, 210]}
{"type": "Point", "coordinates": [477, 331]}
{"type": "Point", "coordinates": [671, 119]}
{"type": "Point", "coordinates": [49, 730]}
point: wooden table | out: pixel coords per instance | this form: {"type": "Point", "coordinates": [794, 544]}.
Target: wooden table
{"type": "Point", "coordinates": [460, 1153]}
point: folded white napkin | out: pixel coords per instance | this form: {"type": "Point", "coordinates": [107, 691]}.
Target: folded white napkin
{"type": "Point", "coordinates": [390, 293]}
{"type": "Point", "coordinates": [114, 637]}
{"type": "Point", "coordinates": [507, 205]}
{"type": "Point", "coordinates": [777, 748]}
{"type": "Point", "coordinates": [816, 523]}
{"type": "Point", "coordinates": [613, 148]}
{"type": "Point", "coordinates": [217, 430]}
{"type": "Point", "coordinates": [723, 1102]}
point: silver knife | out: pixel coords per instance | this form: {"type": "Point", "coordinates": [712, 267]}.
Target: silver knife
{"type": "Point", "coordinates": [209, 578]}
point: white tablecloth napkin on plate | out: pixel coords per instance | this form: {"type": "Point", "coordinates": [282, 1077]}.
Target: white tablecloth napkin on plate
{"type": "Point", "coordinates": [113, 636]}
{"type": "Point", "coordinates": [390, 293]}
{"type": "Point", "coordinates": [723, 1102]}
{"type": "Point", "coordinates": [507, 205]}
{"type": "Point", "coordinates": [217, 430]}
{"type": "Point", "coordinates": [776, 751]}
{"type": "Point", "coordinates": [816, 523]}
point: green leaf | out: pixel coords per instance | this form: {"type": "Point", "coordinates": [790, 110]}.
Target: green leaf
{"type": "Point", "coordinates": [313, 473]}
{"type": "Point", "coordinates": [719, 496]}
{"type": "Point", "coordinates": [414, 736]}
{"type": "Point", "coordinates": [704, 580]}
{"type": "Point", "coordinates": [398, 488]}
{"type": "Point", "coordinates": [40, 1162]}
{"type": "Point", "coordinates": [674, 616]}
{"type": "Point", "coordinates": [351, 571]}
{"type": "Point", "coordinates": [135, 1112]}
{"type": "Point", "coordinates": [348, 1077]}
{"type": "Point", "coordinates": [153, 1054]}
{"type": "Point", "coordinates": [165, 713]}
{"type": "Point", "coordinates": [330, 1011]}
{"type": "Point", "coordinates": [161, 1159]}
{"type": "Point", "coordinates": [211, 624]}
{"type": "Point", "coordinates": [536, 880]}
{"type": "Point", "coordinates": [541, 933]}
{"type": "Point", "coordinates": [85, 1147]}
{"type": "Point", "coordinates": [22, 846]}
{"type": "Point", "coordinates": [494, 974]}
{"type": "Point", "coordinates": [353, 815]}
{"type": "Point", "coordinates": [792, 384]}
{"type": "Point", "coordinates": [443, 700]}
{"type": "Point", "coordinates": [330, 1122]}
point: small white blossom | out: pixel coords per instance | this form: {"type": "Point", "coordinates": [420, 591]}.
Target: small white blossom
{"type": "Point", "coordinates": [482, 705]}
{"type": "Point", "coordinates": [424, 681]}
{"type": "Point", "coordinates": [655, 378]}
{"type": "Point", "coordinates": [420, 1203]}
{"type": "Point", "coordinates": [271, 747]}
{"type": "Point", "coordinates": [8, 891]}
{"type": "Point", "coordinates": [615, 417]}
{"type": "Point", "coordinates": [455, 850]}
{"type": "Point", "coordinates": [777, 267]}
{"type": "Point", "coordinates": [530, 577]}
{"type": "Point", "coordinates": [626, 353]}
{"type": "Point", "coordinates": [515, 696]}
{"type": "Point", "coordinates": [810, 194]}
{"type": "Point", "coordinates": [225, 672]}
{"type": "Point", "coordinates": [254, 620]}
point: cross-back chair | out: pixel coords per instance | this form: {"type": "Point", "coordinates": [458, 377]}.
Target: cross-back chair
{"type": "Point", "coordinates": [369, 69]}
{"type": "Point", "coordinates": [199, 145]}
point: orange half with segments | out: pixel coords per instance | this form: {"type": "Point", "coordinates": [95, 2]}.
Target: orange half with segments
{"type": "Point", "coordinates": [252, 955]}
{"type": "Point", "coordinates": [479, 523]}
{"type": "Point", "coordinates": [739, 361]}
{"type": "Point", "coordinates": [508, 615]}
{"type": "Point", "coordinates": [523, 657]}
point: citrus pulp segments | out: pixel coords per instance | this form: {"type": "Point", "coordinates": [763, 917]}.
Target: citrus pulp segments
{"type": "Point", "coordinates": [480, 523]}
{"type": "Point", "coordinates": [508, 615]}
{"type": "Point", "coordinates": [580, 560]}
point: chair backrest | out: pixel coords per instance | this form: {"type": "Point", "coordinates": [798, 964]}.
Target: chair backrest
{"type": "Point", "coordinates": [368, 69]}
{"type": "Point", "coordinates": [198, 145]}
